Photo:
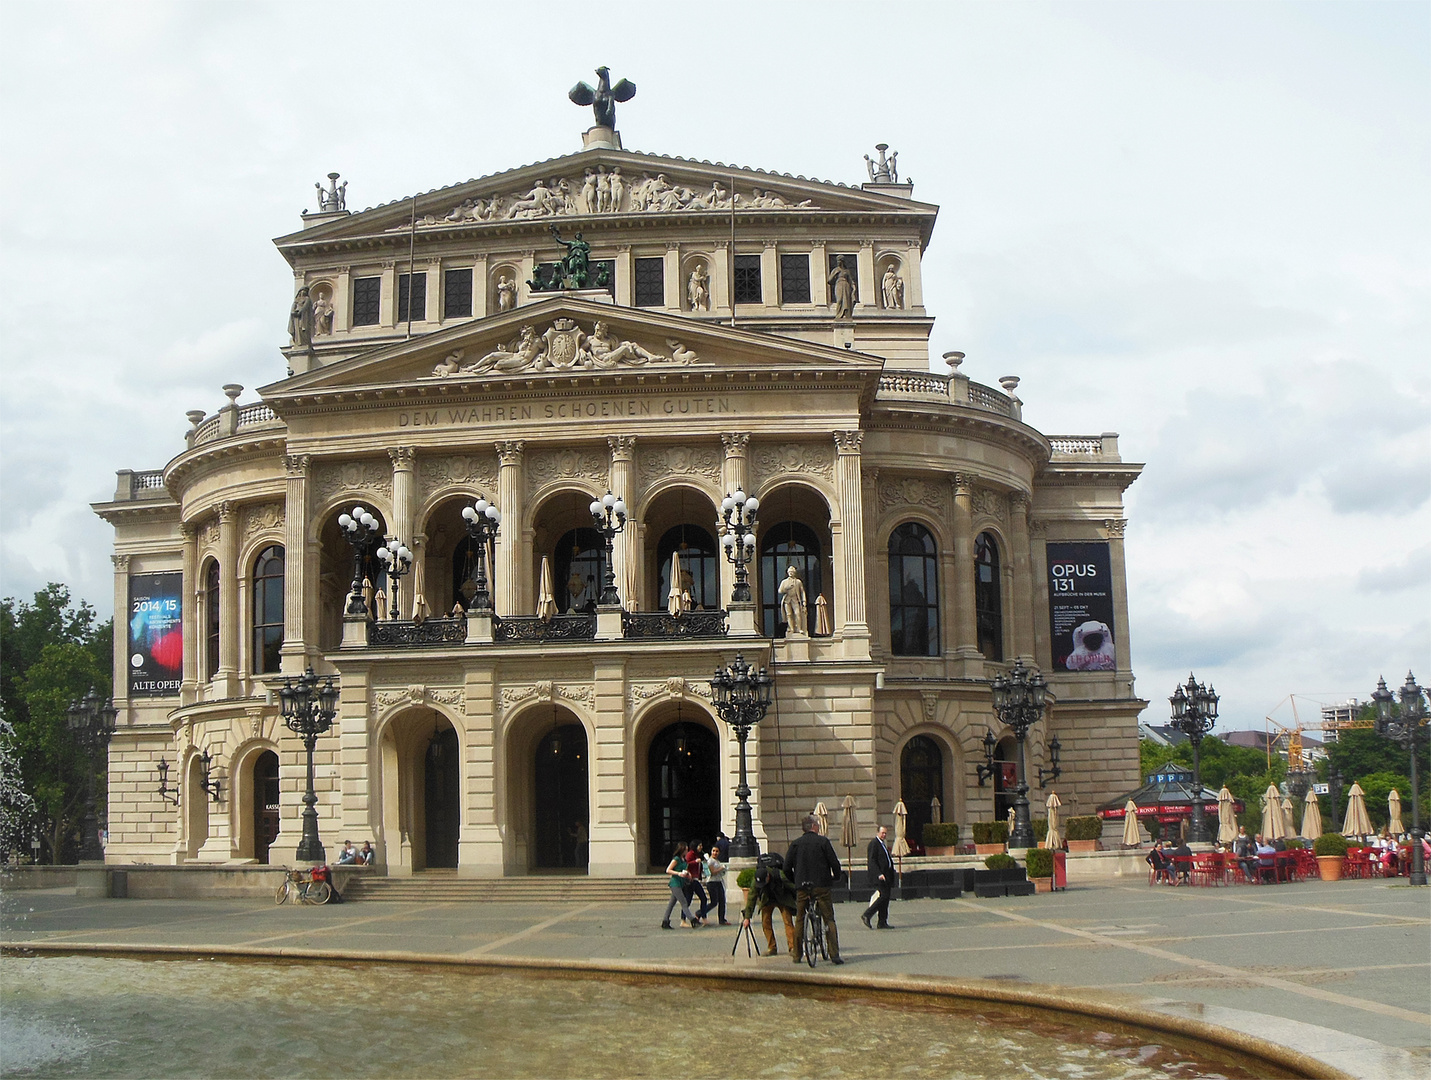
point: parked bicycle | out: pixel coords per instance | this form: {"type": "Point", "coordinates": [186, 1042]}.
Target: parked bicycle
{"type": "Point", "coordinates": [305, 887]}
{"type": "Point", "coordinates": [814, 941]}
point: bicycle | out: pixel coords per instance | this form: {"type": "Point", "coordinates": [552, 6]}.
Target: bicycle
{"type": "Point", "coordinates": [814, 940]}
{"type": "Point", "coordinates": [302, 888]}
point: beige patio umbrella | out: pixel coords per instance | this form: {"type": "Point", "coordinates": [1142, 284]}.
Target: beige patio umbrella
{"type": "Point", "coordinates": [1053, 839]}
{"type": "Point", "coordinates": [673, 594]}
{"type": "Point", "coordinates": [546, 594]}
{"type": "Point", "coordinates": [822, 816]}
{"type": "Point", "coordinates": [1357, 822]}
{"type": "Point", "coordinates": [1011, 821]}
{"type": "Point", "coordinates": [822, 616]}
{"type": "Point", "coordinates": [1273, 828]}
{"type": "Point", "coordinates": [1226, 816]}
{"type": "Point", "coordinates": [935, 811]}
{"type": "Point", "coordinates": [1131, 838]}
{"type": "Point", "coordinates": [419, 575]}
{"type": "Point", "coordinates": [849, 830]}
{"type": "Point", "coordinates": [1311, 816]}
{"type": "Point", "coordinates": [419, 608]}
{"type": "Point", "coordinates": [901, 823]}
{"type": "Point", "coordinates": [1393, 802]}
{"type": "Point", "coordinates": [1287, 818]}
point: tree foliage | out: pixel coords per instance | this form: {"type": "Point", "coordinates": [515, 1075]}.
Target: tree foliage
{"type": "Point", "coordinates": [1242, 769]}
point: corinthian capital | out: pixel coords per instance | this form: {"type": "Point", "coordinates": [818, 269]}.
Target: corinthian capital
{"type": "Point", "coordinates": [623, 447]}
{"type": "Point", "coordinates": [735, 442]}
{"type": "Point", "coordinates": [848, 442]}
{"type": "Point", "coordinates": [296, 465]}
{"type": "Point", "coordinates": [402, 456]}
{"type": "Point", "coordinates": [509, 452]}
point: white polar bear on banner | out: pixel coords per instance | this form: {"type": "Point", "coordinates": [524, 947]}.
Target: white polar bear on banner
{"type": "Point", "coordinates": [1092, 648]}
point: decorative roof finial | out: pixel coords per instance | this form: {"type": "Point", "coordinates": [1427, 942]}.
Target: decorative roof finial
{"type": "Point", "coordinates": [604, 98]}
{"type": "Point", "coordinates": [335, 198]}
{"type": "Point", "coordinates": [884, 171]}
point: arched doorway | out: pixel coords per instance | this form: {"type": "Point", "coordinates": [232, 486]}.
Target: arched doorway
{"type": "Point", "coordinates": [442, 798]}
{"type": "Point", "coordinates": [265, 804]}
{"type": "Point", "coordinates": [560, 825]}
{"type": "Point", "coordinates": [683, 787]}
{"type": "Point", "coordinates": [421, 791]}
{"type": "Point", "coordinates": [921, 780]}
{"type": "Point", "coordinates": [1006, 776]}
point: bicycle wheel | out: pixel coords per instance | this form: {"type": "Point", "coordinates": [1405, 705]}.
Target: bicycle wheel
{"type": "Point", "coordinates": [282, 895]}
{"type": "Point", "coordinates": [814, 932]}
{"type": "Point", "coordinates": [320, 892]}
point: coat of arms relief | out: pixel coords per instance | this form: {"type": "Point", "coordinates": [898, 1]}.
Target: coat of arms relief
{"type": "Point", "coordinates": [563, 346]}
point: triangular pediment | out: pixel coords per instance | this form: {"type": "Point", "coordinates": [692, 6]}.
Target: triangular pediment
{"type": "Point", "coordinates": [604, 183]}
{"type": "Point", "coordinates": [563, 338]}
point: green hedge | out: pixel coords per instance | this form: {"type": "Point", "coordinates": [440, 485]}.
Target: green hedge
{"type": "Point", "coordinates": [1295, 845]}
{"type": "Point", "coordinates": [1039, 863]}
{"type": "Point", "coordinates": [944, 834]}
{"type": "Point", "coordinates": [746, 878]}
{"type": "Point", "coordinates": [1002, 862]}
{"type": "Point", "coordinates": [1089, 827]}
{"type": "Point", "coordinates": [1040, 827]}
{"type": "Point", "coordinates": [991, 832]}
{"type": "Point", "coordinates": [1330, 843]}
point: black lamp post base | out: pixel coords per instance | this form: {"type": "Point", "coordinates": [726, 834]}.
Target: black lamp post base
{"type": "Point", "coordinates": [1022, 836]}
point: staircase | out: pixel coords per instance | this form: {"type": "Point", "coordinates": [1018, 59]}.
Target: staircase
{"type": "Point", "coordinates": [444, 886]}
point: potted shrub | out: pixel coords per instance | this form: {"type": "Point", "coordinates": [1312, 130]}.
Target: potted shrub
{"type": "Point", "coordinates": [1330, 849]}
{"type": "Point", "coordinates": [1039, 827]}
{"type": "Point", "coordinates": [1083, 833]}
{"type": "Point", "coordinates": [940, 839]}
{"type": "Point", "coordinates": [1000, 861]}
{"type": "Point", "coordinates": [989, 837]}
{"type": "Point", "coordinates": [1296, 844]}
{"type": "Point", "coordinates": [1039, 863]}
{"type": "Point", "coordinates": [745, 880]}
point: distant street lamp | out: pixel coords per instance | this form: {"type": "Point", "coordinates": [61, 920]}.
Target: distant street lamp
{"type": "Point", "coordinates": [1195, 715]}
{"type": "Point", "coordinates": [741, 695]}
{"type": "Point", "coordinates": [608, 513]}
{"type": "Point", "coordinates": [1407, 726]}
{"type": "Point", "coordinates": [483, 521]}
{"type": "Point", "coordinates": [360, 529]}
{"type": "Point", "coordinates": [309, 711]}
{"type": "Point", "coordinates": [737, 513]}
{"type": "Point", "coordinates": [91, 721]}
{"type": "Point", "coordinates": [397, 561]}
{"type": "Point", "coordinates": [1019, 699]}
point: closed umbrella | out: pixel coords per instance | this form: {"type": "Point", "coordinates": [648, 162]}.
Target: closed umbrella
{"type": "Point", "coordinates": [1273, 827]}
{"type": "Point", "coordinates": [1011, 821]}
{"type": "Point", "coordinates": [849, 833]}
{"type": "Point", "coordinates": [1053, 840]}
{"type": "Point", "coordinates": [1357, 822]}
{"type": "Point", "coordinates": [1130, 825]}
{"type": "Point", "coordinates": [901, 822]}
{"type": "Point", "coordinates": [822, 616]}
{"type": "Point", "coordinates": [935, 811]}
{"type": "Point", "coordinates": [1287, 817]}
{"type": "Point", "coordinates": [1226, 816]}
{"type": "Point", "coordinates": [1393, 802]}
{"type": "Point", "coordinates": [822, 816]}
{"type": "Point", "coordinates": [673, 594]}
{"type": "Point", "coordinates": [546, 595]}
{"type": "Point", "coordinates": [1311, 817]}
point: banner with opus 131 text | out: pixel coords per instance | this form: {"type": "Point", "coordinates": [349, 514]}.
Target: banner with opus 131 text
{"type": "Point", "coordinates": [1080, 607]}
{"type": "Point", "coordinates": [156, 639]}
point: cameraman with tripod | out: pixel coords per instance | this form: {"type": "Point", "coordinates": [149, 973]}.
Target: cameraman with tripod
{"type": "Point", "coordinates": [774, 891]}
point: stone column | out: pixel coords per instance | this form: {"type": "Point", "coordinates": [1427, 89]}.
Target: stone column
{"type": "Point", "coordinates": [511, 577]}
{"type": "Point", "coordinates": [851, 621]}
{"type": "Point", "coordinates": [1117, 566]}
{"type": "Point", "coordinates": [722, 284]}
{"type": "Point", "coordinates": [343, 299]}
{"type": "Point", "coordinates": [625, 275]}
{"type": "Point", "coordinates": [1023, 576]}
{"type": "Point", "coordinates": [529, 267]}
{"type": "Point", "coordinates": [770, 275]}
{"type": "Point", "coordinates": [121, 635]}
{"type": "Point", "coordinates": [479, 846]}
{"type": "Point", "coordinates": [404, 495]}
{"type": "Point", "coordinates": [229, 614]}
{"type": "Point", "coordinates": [734, 473]}
{"type": "Point", "coordinates": [1038, 543]}
{"type": "Point", "coordinates": [295, 565]}
{"type": "Point", "coordinates": [966, 625]}
{"type": "Point", "coordinates": [912, 271]}
{"type": "Point", "coordinates": [612, 845]}
{"type": "Point", "coordinates": [673, 286]}
{"type": "Point", "coordinates": [625, 554]}
{"type": "Point", "coordinates": [479, 287]}
{"type": "Point", "coordinates": [819, 270]}
{"type": "Point", "coordinates": [869, 288]}
{"type": "Point", "coordinates": [193, 631]}
{"type": "Point", "coordinates": [387, 295]}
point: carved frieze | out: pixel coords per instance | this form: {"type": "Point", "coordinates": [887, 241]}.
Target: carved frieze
{"type": "Point", "coordinates": [992, 504]}
{"type": "Point", "coordinates": [355, 478]}
{"type": "Point", "coordinates": [912, 491]}
{"type": "Point", "coordinates": [546, 690]}
{"type": "Point", "coordinates": [674, 687]}
{"type": "Point", "coordinates": [812, 459]}
{"type": "Point", "coordinates": [563, 346]}
{"type": "Point", "coordinates": [545, 466]}
{"type": "Point", "coordinates": [702, 461]}
{"type": "Point", "coordinates": [421, 694]}
{"type": "Point", "coordinates": [468, 470]}
{"type": "Point", "coordinates": [261, 518]}
{"type": "Point", "coordinates": [209, 534]}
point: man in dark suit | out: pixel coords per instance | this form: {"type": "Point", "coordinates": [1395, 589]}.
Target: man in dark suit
{"type": "Point", "coordinates": [881, 876]}
{"type": "Point", "coordinates": [813, 866]}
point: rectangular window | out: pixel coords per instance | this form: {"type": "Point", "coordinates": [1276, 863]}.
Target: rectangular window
{"type": "Point", "coordinates": [650, 282]}
{"type": "Point", "coordinates": [747, 279]}
{"type": "Point", "coordinates": [794, 279]}
{"type": "Point", "coordinates": [419, 298]}
{"type": "Point", "coordinates": [850, 265]}
{"type": "Point", "coordinates": [456, 294]}
{"type": "Point", "coordinates": [367, 296]}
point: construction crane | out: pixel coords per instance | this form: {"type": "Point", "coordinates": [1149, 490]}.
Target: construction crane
{"type": "Point", "coordinates": [1293, 734]}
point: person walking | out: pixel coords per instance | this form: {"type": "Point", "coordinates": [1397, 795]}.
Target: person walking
{"type": "Point", "coordinates": [715, 885]}
{"type": "Point", "coordinates": [679, 876]}
{"type": "Point", "coordinates": [880, 868]}
{"type": "Point", "coordinates": [695, 864]}
{"type": "Point", "coordinates": [814, 867]}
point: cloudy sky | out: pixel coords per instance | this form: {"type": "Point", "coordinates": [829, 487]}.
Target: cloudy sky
{"type": "Point", "coordinates": [1204, 226]}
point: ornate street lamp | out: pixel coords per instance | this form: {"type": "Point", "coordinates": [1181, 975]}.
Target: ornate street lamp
{"type": "Point", "coordinates": [167, 793]}
{"type": "Point", "coordinates": [608, 513]}
{"type": "Point", "coordinates": [741, 695]}
{"type": "Point", "coordinates": [1195, 714]}
{"type": "Point", "coordinates": [309, 711]}
{"type": "Point", "coordinates": [1054, 770]}
{"type": "Point", "coordinates": [1407, 726]}
{"type": "Point", "coordinates": [483, 521]}
{"type": "Point", "coordinates": [737, 514]}
{"type": "Point", "coordinates": [360, 529]}
{"type": "Point", "coordinates": [986, 770]}
{"type": "Point", "coordinates": [1018, 703]}
{"type": "Point", "coordinates": [397, 561]}
{"type": "Point", "coordinates": [91, 721]}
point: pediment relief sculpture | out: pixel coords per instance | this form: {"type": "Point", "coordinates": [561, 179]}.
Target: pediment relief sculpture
{"type": "Point", "coordinates": [352, 477]}
{"type": "Point", "coordinates": [562, 346]}
{"type": "Point", "coordinates": [910, 491]}
{"type": "Point", "coordinates": [814, 459]}
{"type": "Point", "coordinates": [439, 472]}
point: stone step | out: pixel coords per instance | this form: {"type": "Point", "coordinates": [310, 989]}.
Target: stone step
{"type": "Point", "coordinates": [447, 887]}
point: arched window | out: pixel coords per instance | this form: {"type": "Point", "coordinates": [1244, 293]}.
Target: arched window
{"type": "Point", "coordinates": [988, 606]}
{"type": "Point", "coordinates": [913, 591]}
{"type": "Point", "coordinates": [921, 780]}
{"type": "Point", "coordinates": [579, 566]}
{"type": "Point", "coordinates": [700, 566]}
{"type": "Point", "coordinates": [267, 610]}
{"type": "Point", "coordinates": [211, 618]}
{"type": "Point", "coordinates": [788, 543]}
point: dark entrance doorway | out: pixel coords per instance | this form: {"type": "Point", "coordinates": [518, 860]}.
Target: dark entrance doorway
{"type": "Point", "coordinates": [561, 808]}
{"type": "Point", "coordinates": [683, 783]}
{"type": "Point", "coordinates": [442, 798]}
{"type": "Point", "coordinates": [921, 780]}
{"type": "Point", "coordinates": [1006, 777]}
{"type": "Point", "coordinates": [265, 804]}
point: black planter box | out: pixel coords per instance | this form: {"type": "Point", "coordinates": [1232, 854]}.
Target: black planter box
{"type": "Point", "coordinates": [1000, 877]}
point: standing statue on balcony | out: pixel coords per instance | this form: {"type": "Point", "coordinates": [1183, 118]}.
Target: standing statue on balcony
{"type": "Point", "coordinates": [792, 603]}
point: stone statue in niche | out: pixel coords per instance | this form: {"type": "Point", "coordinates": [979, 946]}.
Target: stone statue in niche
{"type": "Point", "coordinates": [842, 286]}
{"type": "Point", "coordinates": [506, 293]}
{"type": "Point", "coordinates": [322, 314]}
{"type": "Point", "coordinates": [604, 98]}
{"type": "Point", "coordinates": [300, 319]}
{"type": "Point", "coordinates": [698, 285]}
{"type": "Point", "coordinates": [892, 288]}
{"type": "Point", "coordinates": [333, 199]}
{"type": "Point", "coordinates": [884, 171]}
{"type": "Point", "coordinates": [792, 603]}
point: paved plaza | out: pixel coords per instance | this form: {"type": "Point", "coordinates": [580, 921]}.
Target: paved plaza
{"type": "Point", "coordinates": [1330, 968]}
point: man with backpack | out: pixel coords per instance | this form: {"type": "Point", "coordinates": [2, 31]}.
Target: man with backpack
{"type": "Point", "coordinates": [773, 891]}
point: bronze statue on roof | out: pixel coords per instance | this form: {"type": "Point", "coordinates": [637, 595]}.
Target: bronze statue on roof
{"type": "Point", "coordinates": [604, 98]}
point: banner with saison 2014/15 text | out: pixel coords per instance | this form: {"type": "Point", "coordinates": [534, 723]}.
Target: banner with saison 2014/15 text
{"type": "Point", "coordinates": [156, 639]}
{"type": "Point", "coordinates": [1080, 607]}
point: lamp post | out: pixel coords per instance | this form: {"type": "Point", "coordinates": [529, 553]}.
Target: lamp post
{"type": "Point", "coordinates": [309, 710]}
{"type": "Point", "coordinates": [397, 561]}
{"type": "Point", "coordinates": [91, 721]}
{"type": "Point", "coordinates": [609, 515]}
{"type": "Point", "coordinates": [1019, 699]}
{"type": "Point", "coordinates": [360, 529]}
{"type": "Point", "coordinates": [986, 770]}
{"type": "Point", "coordinates": [1194, 714]}
{"type": "Point", "coordinates": [741, 695]}
{"type": "Point", "coordinates": [1054, 770]}
{"type": "Point", "coordinates": [167, 793]}
{"type": "Point", "coordinates": [1407, 726]}
{"type": "Point", "coordinates": [737, 513]}
{"type": "Point", "coordinates": [483, 520]}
